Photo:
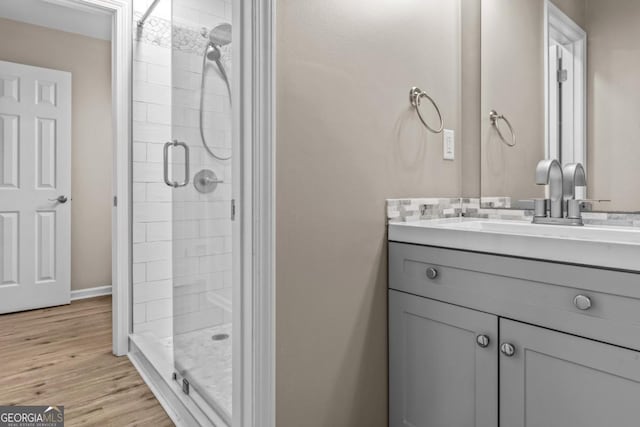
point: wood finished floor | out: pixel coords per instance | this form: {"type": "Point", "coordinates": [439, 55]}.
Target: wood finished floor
{"type": "Point", "coordinates": [62, 356]}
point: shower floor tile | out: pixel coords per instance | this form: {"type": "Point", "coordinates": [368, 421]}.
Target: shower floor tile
{"type": "Point", "coordinates": [206, 362]}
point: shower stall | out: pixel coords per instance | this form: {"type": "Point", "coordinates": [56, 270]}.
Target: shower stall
{"type": "Point", "coordinates": [183, 207]}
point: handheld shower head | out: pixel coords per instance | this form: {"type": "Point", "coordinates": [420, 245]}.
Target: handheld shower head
{"type": "Point", "coordinates": [220, 35]}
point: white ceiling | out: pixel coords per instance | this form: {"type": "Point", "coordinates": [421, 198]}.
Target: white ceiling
{"type": "Point", "coordinates": [46, 13]}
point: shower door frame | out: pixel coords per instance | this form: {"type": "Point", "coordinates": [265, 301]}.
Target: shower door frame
{"type": "Point", "coordinates": [121, 61]}
{"type": "Point", "coordinates": [254, 139]}
{"type": "Point", "coordinates": [254, 231]}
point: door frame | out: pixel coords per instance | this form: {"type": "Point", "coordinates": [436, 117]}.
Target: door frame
{"type": "Point", "coordinates": [254, 265]}
{"type": "Point", "coordinates": [558, 25]}
{"type": "Point", "coordinates": [121, 48]}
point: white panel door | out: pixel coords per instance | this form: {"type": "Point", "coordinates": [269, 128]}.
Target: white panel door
{"type": "Point", "coordinates": [35, 170]}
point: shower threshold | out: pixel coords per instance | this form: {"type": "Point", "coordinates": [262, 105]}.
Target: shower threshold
{"type": "Point", "coordinates": [209, 403]}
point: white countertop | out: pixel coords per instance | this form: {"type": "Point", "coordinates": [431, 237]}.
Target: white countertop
{"type": "Point", "coordinates": [598, 246]}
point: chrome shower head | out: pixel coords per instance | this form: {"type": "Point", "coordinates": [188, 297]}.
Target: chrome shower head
{"type": "Point", "coordinates": [220, 35]}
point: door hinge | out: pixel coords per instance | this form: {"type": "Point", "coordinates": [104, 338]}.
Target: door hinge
{"type": "Point", "coordinates": [233, 209]}
{"type": "Point", "coordinates": [562, 76]}
{"type": "Point", "coordinates": [115, 201]}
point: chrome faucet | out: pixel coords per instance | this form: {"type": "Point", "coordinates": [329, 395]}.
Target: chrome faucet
{"type": "Point", "coordinates": [550, 172]}
{"type": "Point", "coordinates": [563, 207]}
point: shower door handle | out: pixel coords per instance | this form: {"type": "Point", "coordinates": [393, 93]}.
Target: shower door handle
{"type": "Point", "coordinates": [167, 146]}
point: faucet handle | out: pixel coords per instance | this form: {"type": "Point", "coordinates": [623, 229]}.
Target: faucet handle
{"type": "Point", "coordinates": [595, 200]}
{"type": "Point", "coordinates": [540, 207]}
{"type": "Point", "coordinates": [574, 209]}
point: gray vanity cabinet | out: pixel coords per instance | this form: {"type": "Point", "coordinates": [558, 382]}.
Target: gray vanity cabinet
{"type": "Point", "coordinates": [463, 351]}
{"type": "Point", "coordinates": [444, 364]}
{"type": "Point", "coordinates": [559, 380]}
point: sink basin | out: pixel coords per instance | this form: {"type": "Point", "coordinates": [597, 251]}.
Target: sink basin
{"type": "Point", "coordinates": [603, 246]}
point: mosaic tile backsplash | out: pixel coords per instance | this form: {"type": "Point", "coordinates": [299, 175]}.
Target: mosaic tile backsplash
{"type": "Point", "coordinates": [404, 210]}
{"type": "Point", "coordinates": [160, 32]}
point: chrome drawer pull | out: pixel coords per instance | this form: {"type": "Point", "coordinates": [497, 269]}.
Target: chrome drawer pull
{"type": "Point", "coordinates": [483, 341]}
{"type": "Point", "coordinates": [508, 349]}
{"type": "Point", "coordinates": [582, 302]}
{"type": "Point", "coordinates": [432, 273]}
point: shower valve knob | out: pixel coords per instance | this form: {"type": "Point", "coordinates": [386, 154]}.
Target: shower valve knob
{"type": "Point", "coordinates": [206, 181]}
{"type": "Point", "coordinates": [209, 180]}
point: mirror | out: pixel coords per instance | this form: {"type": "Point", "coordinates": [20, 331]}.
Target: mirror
{"type": "Point", "coordinates": [560, 79]}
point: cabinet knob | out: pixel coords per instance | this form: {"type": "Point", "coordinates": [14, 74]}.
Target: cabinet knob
{"type": "Point", "coordinates": [508, 349]}
{"type": "Point", "coordinates": [483, 341]}
{"type": "Point", "coordinates": [432, 273]}
{"type": "Point", "coordinates": [582, 302]}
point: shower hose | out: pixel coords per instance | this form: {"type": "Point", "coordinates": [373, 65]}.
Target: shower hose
{"type": "Point", "coordinates": [202, 84]}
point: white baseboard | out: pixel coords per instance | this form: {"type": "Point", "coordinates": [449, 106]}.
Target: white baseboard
{"type": "Point", "coordinates": [98, 291]}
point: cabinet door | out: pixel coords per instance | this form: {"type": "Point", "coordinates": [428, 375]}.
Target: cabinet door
{"type": "Point", "coordinates": [438, 375]}
{"type": "Point", "coordinates": [559, 380]}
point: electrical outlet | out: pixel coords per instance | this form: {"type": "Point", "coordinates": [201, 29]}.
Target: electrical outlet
{"type": "Point", "coordinates": [448, 145]}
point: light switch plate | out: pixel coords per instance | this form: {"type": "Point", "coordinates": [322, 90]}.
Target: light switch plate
{"type": "Point", "coordinates": [448, 145]}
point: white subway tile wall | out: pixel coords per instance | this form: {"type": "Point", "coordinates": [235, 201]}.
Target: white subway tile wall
{"type": "Point", "coordinates": [181, 238]}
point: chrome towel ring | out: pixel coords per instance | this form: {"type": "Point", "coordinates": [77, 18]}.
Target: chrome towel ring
{"type": "Point", "coordinates": [494, 117]}
{"type": "Point", "coordinates": [415, 94]}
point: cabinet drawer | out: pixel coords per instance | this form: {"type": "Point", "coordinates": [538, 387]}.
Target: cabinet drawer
{"type": "Point", "coordinates": [538, 292]}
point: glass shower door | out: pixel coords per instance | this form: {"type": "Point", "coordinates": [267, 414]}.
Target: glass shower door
{"type": "Point", "coordinates": [200, 162]}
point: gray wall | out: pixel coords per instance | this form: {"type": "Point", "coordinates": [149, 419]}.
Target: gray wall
{"type": "Point", "coordinates": [613, 102]}
{"type": "Point", "coordinates": [346, 140]}
{"type": "Point", "coordinates": [513, 85]}
{"type": "Point", "coordinates": [470, 108]}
